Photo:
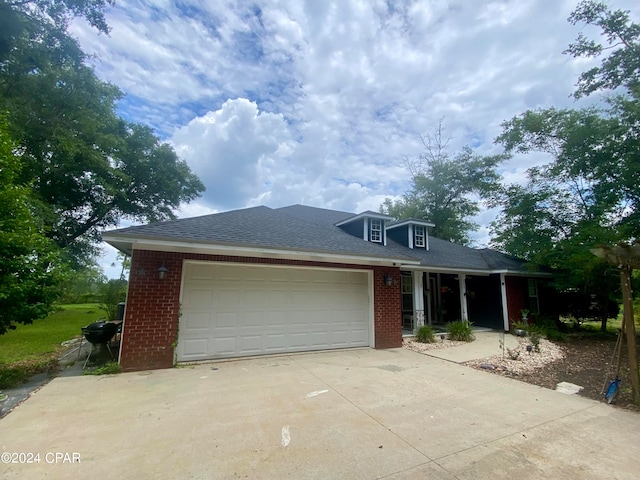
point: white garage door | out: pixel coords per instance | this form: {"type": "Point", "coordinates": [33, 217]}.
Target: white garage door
{"type": "Point", "coordinates": [238, 310]}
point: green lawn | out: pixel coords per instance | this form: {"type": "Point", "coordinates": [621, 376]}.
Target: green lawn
{"type": "Point", "coordinates": [28, 342]}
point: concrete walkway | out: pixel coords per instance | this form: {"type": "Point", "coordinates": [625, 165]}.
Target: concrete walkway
{"type": "Point", "coordinates": [486, 344]}
{"type": "Point", "coordinates": [359, 414]}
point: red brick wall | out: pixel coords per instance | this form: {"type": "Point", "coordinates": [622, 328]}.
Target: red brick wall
{"type": "Point", "coordinates": [387, 309]}
{"type": "Point", "coordinates": [152, 311]}
{"type": "Point", "coordinates": [151, 314]}
{"type": "Point", "coordinates": [517, 298]}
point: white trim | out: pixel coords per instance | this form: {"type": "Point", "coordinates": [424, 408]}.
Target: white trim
{"type": "Point", "coordinates": [418, 301]}
{"type": "Point", "coordinates": [424, 235]}
{"type": "Point", "coordinates": [381, 216]}
{"type": "Point", "coordinates": [505, 307]}
{"type": "Point", "coordinates": [428, 268]}
{"type": "Point", "coordinates": [464, 308]}
{"type": "Point", "coordinates": [365, 234]}
{"type": "Point", "coordinates": [379, 231]}
{"type": "Point", "coordinates": [410, 231]}
{"type": "Point", "coordinates": [411, 221]}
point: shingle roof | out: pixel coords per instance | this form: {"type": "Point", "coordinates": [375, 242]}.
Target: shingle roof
{"type": "Point", "coordinates": [310, 229]}
{"type": "Point", "coordinates": [260, 227]}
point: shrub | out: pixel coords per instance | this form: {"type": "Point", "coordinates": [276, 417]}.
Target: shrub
{"type": "Point", "coordinates": [425, 334]}
{"type": "Point", "coordinates": [108, 368]}
{"type": "Point", "coordinates": [460, 331]}
{"type": "Point", "coordinates": [19, 372]}
{"type": "Point", "coordinates": [534, 338]}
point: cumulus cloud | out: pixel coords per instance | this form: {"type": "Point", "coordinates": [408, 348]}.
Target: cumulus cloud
{"type": "Point", "coordinates": [281, 101]}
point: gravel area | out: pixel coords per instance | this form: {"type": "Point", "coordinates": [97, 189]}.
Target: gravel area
{"type": "Point", "coordinates": [517, 361]}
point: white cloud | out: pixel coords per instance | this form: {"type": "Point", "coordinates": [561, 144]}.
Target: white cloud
{"type": "Point", "coordinates": [318, 102]}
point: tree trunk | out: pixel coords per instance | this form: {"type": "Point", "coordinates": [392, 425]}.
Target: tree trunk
{"type": "Point", "coordinates": [630, 330]}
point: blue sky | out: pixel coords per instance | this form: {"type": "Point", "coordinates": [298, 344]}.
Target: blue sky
{"type": "Point", "coordinates": [319, 102]}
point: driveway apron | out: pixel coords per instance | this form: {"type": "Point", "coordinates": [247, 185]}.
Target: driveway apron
{"type": "Point", "coordinates": [357, 413]}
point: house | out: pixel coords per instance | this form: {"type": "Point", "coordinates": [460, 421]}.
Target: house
{"type": "Point", "coordinates": [261, 280]}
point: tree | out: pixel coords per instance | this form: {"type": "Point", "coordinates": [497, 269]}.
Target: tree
{"type": "Point", "coordinates": [31, 267]}
{"type": "Point", "coordinates": [88, 168]}
{"type": "Point", "coordinates": [621, 68]}
{"type": "Point", "coordinates": [446, 190]}
{"type": "Point", "coordinates": [588, 193]}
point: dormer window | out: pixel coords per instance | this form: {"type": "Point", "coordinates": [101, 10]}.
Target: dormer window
{"type": "Point", "coordinates": [376, 230]}
{"type": "Point", "coordinates": [419, 234]}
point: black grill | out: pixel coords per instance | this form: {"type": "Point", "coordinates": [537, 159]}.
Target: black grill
{"type": "Point", "coordinates": [99, 332]}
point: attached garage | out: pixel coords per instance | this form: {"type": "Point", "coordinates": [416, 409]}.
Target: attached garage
{"type": "Point", "coordinates": [234, 310]}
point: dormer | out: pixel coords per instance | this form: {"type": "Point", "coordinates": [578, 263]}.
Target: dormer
{"type": "Point", "coordinates": [412, 233]}
{"type": "Point", "coordinates": [370, 226]}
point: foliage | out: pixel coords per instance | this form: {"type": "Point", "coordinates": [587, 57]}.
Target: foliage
{"type": "Point", "coordinates": [14, 374]}
{"type": "Point", "coordinates": [45, 336]}
{"type": "Point", "coordinates": [109, 368]}
{"type": "Point", "coordinates": [588, 194]}
{"type": "Point", "coordinates": [83, 286]}
{"type": "Point", "coordinates": [111, 293]}
{"type": "Point", "coordinates": [425, 334]}
{"type": "Point", "coordinates": [520, 325]}
{"type": "Point", "coordinates": [534, 338]}
{"type": "Point", "coordinates": [622, 66]}
{"type": "Point", "coordinates": [442, 188]}
{"type": "Point", "coordinates": [88, 168]}
{"type": "Point", "coordinates": [30, 265]}
{"type": "Point", "coordinates": [460, 331]}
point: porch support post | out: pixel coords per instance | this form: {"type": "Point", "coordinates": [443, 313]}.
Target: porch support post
{"type": "Point", "coordinates": [464, 309]}
{"type": "Point", "coordinates": [428, 318]}
{"type": "Point", "coordinates": [505, 307]}
{"type": "Point", "coordinates": [418, 300]}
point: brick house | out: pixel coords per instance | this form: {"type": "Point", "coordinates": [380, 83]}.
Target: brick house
{"type": "Point", "coordinates": [259, 280]}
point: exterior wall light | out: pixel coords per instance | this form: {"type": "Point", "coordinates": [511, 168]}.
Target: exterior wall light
{"type": "Point", "coordinates": [388, 280]}
{"type": "Point", "coordinates": [162, 272]}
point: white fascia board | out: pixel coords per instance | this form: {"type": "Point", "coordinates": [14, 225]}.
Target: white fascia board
{"type": "Point", "coordinates": [466, 271]}
{"type": "Point", "coordinates": [258, 252]}
{"type": "Point", "coordinates": [411, 221]}
{"type": "Point", "coordinates": [379, 216]}
{"type": "Point", "coordinates": [469, 271]}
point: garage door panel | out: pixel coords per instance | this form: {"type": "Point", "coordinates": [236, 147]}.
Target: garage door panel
{"type": "Point", "coordinates": [230, 310]}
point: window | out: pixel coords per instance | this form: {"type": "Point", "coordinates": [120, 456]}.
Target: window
{"type": "Point", "coordinates": [376, 230]}
{"type": "Point", "coordinates": [419, 236]}
{"type": "Point", "coordinates": [406, 286]}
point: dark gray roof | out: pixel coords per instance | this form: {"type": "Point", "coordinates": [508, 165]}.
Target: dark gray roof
{"type": "Point", "coordinates": [259, 227]}
{"type": "Point", "coordinates": [319, 216]}
{"type": "Point", "coordinates": [310, 229]}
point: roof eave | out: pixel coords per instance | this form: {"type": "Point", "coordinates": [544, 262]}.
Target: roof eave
{"type": "Point", "coordinates": [128, 244]}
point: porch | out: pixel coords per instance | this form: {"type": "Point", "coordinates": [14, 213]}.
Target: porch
{"type": "Point", "coordinates": [438, 298]}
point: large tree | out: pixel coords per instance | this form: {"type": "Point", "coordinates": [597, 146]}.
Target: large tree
{"type": "Point", "coordinates": [72, 166]}
{"type": "Point", "coordinates": [447, 189]}
{"type": "Point", "coordinates": [88, 167]}
{"type": "Point", "coordinates": [588, 193]}
{"type": "Point", "coordinates": [31, 267]}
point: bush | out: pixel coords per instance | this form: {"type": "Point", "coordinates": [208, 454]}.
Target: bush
{"type": "Point", "coordinates": [425, 334]}
{"type": "Point", "coordinates": [108, 368]}
{"type": "Point", "coordinates": [19, 372]}
{"type": "Point", "coordinates": [460, 331]}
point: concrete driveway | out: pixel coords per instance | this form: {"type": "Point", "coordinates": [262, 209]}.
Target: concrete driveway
{"type": "Point", "coordinates": [346, 414]}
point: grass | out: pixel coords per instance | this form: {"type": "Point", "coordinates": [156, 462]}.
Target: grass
{"type": "Point", "coordinates": [31, 349]}
{"type": "Point", "coordinates": [45, 336]}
